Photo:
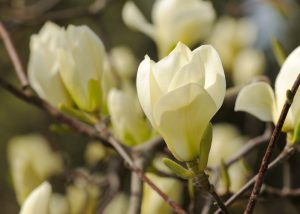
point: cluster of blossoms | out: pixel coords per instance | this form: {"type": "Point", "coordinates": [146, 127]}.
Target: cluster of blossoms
{"type": "Point", "coordinates": [179, 95]}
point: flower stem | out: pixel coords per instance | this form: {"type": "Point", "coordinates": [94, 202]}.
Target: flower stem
{"type": "Point", "coordinates": [201, 182]}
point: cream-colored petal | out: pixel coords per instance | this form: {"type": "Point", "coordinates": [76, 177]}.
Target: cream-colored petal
{"type": "Point", "coordinates": [257, 99]}
{"type": "Point", "coordinates": [193, 72]}
{"type": "Point", "coordinates": [166, 69]}
{"type": "Point", "coordinates": [215, 83]}
{"type": "Point", "coordinates": [143, 85]}
{"type": "Point", "coordinates": [181, 117]}
{"type": "Point", "coordinates": [43, 68]}
{"type": "Point", "coordinates": [284, 81]}
{"type": "Point", "coordinates": [38, 201]}
{"type": "Point", "coordinates": [134, 19]}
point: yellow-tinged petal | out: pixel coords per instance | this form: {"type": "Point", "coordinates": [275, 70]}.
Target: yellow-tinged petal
{"type": "Point", "coordinates": [181, 117]}
{"type": "Point", "coordinates": [134, 19]}
{"type": "Point", "coordinates": [38, 201]}
{"type": "Point", "coordinates": [143, 81]}
{"type": "Point", "coordinates": [257, 99]}
{"type": "Point", "coordinates": [284, 81]}
{"type": "Point", "coordinates": [43, 67]}
{"type": "Point", "coordinates": [80, 61]}
{"type": "Point", "coordinates": [215, 83]}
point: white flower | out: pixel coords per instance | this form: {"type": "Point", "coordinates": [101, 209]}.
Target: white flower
{"type": "Point", "coordinates": [31, 162]}
{"type": "Point", "coordinates": [248, 64]}
{"type": "Point", "coordinates": [127, 120]}
{"type": "Point", "coordinates": [67, 65]}
{"type": "Point", "coordinates": [180, 94]}
{"type": "Point", "coordinates": [38, 201]}
{"type": "Point", "coordinates": [260, 100]}
{"type": "Point", "coordinates": [81, 63]}
{"type": "Point", "coordinates": [187, 21]}
{"type": "Point", "coordinates": [43, 66]}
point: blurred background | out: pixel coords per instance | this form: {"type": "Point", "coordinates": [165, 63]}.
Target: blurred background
{"type": "Point", "coordinates": [242, 33]}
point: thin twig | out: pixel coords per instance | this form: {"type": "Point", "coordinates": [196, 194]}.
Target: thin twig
{"type": "Point", "coordinates": [274, 138]}
{"type": "Point", "coordinates": [285, 154]}
{"type": "Point", "coordinates": [13, 56]}
{"type": "Point", "coordinates": [284, 193]}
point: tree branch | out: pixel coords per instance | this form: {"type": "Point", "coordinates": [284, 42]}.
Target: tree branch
{"type": "Point", "coordinates": [285, 154]}
{"type": "Point", "coordinates": [274, 138]}
{"type": "Point", "coordinates": [13, 56]}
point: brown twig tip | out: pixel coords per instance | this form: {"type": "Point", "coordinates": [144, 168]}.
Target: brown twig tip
{"type": "Point", "coordinates": [274, 138]}
{"type": "Point", "coordinates": [11, 50]}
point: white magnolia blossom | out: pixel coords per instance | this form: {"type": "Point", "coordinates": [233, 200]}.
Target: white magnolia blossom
{"type": "Point", "coordinates": [38, 200]}
{"type": "Point", "coordinates": [127, 120]}
{"type": "Point", "coordinates": [67, 64]}
{"type": "Point", "coordinates": [31, 162]}
{"type": "Point", "coordinates": [249, 63]}
{"type": "Point", "coordinates": [226, 134]}
{"type": "Point", "coordinates": [260, 100]}
{"type": "Point", "coordinates": [180, 94]}
{"type": "Point", "coordinates": [187, 21]}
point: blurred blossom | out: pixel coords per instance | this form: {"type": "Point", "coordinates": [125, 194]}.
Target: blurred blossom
{"type": "Point", "coordinates": [65, 64]}
{"type": "Point", "coordinates": [38, 200]}
{"type": "Point", "coordinates": [226, 142]}
{"type": "Point", "coordinates": [83, 196]}
{"type": "Point", "coordinates": [229, 36]}
{"type": "Point", "coordinates": [94, 153]}
{"type": "Point", "coordinates": [249, 63]}
{"type": "Point", "coordinates": [173, 21]}
{"type": "Point", "coordinates": [260, 100]}
{"type": "Point", "coordinates": [152, 203]}
{"type": "Point", "coordinates": [119, 204]}
{"type": "Point", "coordinates": [31, 162]}
{"type": "Point", "coordinates": [172, 91]}
{"type": "Point", "coordinates": [128, 122]}
{"type": "Point", "coordinates": [124, 62]}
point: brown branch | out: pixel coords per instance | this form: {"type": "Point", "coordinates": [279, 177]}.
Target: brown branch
{"type": "Point", "coordinates": [285, 154]}
{"type": "Point", "coordinates": [274, 138]}
{"type": "Point", "coordinates": [284, 193]}
{"type": "Point", "coordinates": [13, 56]}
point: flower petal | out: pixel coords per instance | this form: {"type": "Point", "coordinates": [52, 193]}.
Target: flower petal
{"type": "Point", "coordinates": [215, 83]}
{"type": "Point", "coordinates": [257, 99]}
{"type": "Point", "coordinates": [134, 19]}
{"type": "Point", "coordinates": [38, 201]}
{"type": "Point", "coordinates": [284, 81]}
{"type": "Point", "coordinates": [43, 68]}
{"type": "Point", "coordinates": [181, 117]}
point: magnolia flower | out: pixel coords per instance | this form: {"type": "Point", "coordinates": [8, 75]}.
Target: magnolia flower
{"type": "Point", "coordinates": [226, 134]}
{"type": "Point", "coordinates": [81, 65]}
{"type": "Point", "coordinates": [248, 64]}
{"type": "Point", "coordinates": [173, 20]}
{"type": "Point", "coordinates": [43, 66]}
{"type": "Point", "coordinates": [67, 65]}
{"type": "Point", "coordinates": [180, 94]}
{"type": "Point", "coordinates": [31, 162]}
{"type": "Point", "coordinates": [260, 100]}
{"type": "Point", "coordinates": [38, 200]}
{"type": "Point", "coordinates": [127, 120]}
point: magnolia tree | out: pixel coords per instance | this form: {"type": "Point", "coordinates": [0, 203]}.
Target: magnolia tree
{"type": "Point", "coordinates": [159, 138]}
